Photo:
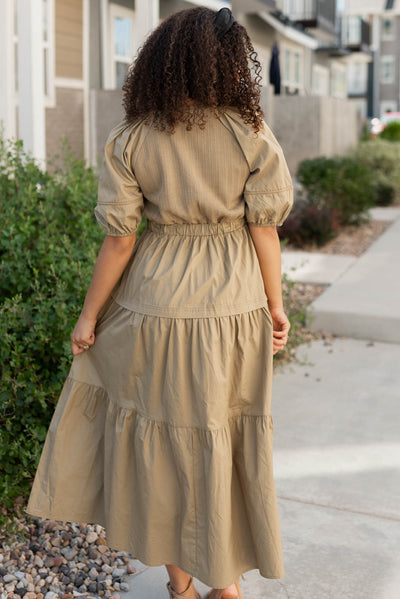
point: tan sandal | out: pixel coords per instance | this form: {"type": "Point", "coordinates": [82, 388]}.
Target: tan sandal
{"type": "Point", "coordinates": [189, 593]}
{"type": "Point", "coordinates": [217, 593]}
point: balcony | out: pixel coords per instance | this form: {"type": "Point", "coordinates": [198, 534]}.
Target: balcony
{"type": "Point", "coordinates": [355, 34]}
{"type": "Point", "coordinates": [317, 16]}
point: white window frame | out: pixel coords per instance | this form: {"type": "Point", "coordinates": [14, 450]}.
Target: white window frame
{"type": "Point", "coordinates": [122, 12]}
{"type": "Point", "coordinates": [338, 75]}
{"type": "Point", "coordinates": [320, 74]}
{"type": "Point", "coordinates": [353, 30]}
{"type": "Point", "coordinates": [49, 57]}
{"type": "Point", "coordinates": [289, 64]}
{"type": "Point", "coordinates": [389, 59]}
{"type": "Point", "coordinates": [15, 52]}
{"type": "Point", "coordinates": [391, 35]}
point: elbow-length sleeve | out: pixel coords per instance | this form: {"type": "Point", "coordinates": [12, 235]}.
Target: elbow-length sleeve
{"type": "Point", "coordinates": [268, 192]}
{"type": "Point", "coordinates": [120, 200]}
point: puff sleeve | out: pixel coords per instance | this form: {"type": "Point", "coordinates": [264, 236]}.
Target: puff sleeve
{"type": "Point", "coordinates": [120, 200]}
{"type": "Point", "coordinates": [268, 191]}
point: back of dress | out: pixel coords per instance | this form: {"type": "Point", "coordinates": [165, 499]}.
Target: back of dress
{"type": "Point", "coordinates": [212, 180]}
{"type": "Point", "coordinates": [163, 431]}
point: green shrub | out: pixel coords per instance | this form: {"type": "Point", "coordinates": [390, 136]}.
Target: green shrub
{"type": "Point", "coordinates": [48, 246]}
{"type": "Point", "coordinates": [307, 224]}
{"type": "Point", "coordinates": [342, 184]}
{"type": "Point", "coordinates": [391, 131]}
{"type": "Point", "coordinates": [382, 158]}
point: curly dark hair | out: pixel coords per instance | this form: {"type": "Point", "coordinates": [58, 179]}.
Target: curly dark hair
{"type": "Point", "coordinates": [184, 58]}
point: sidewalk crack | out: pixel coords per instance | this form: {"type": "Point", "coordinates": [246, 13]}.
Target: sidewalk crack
{"type": "Point", "coordinates": [342, 509]}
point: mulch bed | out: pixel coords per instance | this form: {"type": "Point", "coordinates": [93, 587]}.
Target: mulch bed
{"type": "Point", "coordinates": [351, 240]}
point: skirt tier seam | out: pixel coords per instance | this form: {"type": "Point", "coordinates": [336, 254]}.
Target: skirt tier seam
{"type": "Point", "coordinates": [267, 417]}
{"type": "Point", "coordinates": [192, 313]}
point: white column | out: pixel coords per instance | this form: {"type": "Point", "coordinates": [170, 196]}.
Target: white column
{"type": "Point", "coordinates": [146, 18]}
{"type": "Point", "coordinates": [7, 85]}
{"type": "Point", "coordinates": [30, 77]}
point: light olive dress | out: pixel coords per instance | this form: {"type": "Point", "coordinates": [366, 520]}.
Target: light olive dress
{"type": "Point", "coordinates": [163, 431]}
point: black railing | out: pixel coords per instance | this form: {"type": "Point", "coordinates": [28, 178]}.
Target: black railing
{"type": "Point", "coordinates": [355, 32]}
{"type": "Point", "coordinates": [312, 10]}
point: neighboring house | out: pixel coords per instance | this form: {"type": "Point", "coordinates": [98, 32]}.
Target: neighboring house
{"type": "Point", "coordinates": [383, 16]}
{"type": "Point", "coordinates": [53, 55]}
{"type": "Point", "coordinates": [64, 61]}
{"type": "Point", "coordinates": [355, 36]}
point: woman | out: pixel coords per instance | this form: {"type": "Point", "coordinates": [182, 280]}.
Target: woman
{"type": "Point", "coordinates": [163, 431]}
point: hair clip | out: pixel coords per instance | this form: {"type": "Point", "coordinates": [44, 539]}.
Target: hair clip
{"type": "Point", "coordinates": [223, 21]}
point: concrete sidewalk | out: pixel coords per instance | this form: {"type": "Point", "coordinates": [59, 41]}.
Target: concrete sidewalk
{"type": "Point", "coordinates": [364, 301]}
{"type": "Point", "coordinates": [337, 473]}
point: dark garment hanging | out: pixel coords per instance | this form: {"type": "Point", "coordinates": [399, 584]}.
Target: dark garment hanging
{"type": "Point", "coordinates": [274, 70]}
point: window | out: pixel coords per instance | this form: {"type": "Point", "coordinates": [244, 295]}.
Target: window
{"type": "Point", "coordinates": [122, 43]}
{"type": "Point", "coordinates": [320, 80]}
{"type": "Point", "coordinates": [387, 28]}
{"type": "Point", "coordinates": [48, 52]}
{"type": "Point", "coordinates": [387, 69]}
{"type": "Point", "coordinates": [338, 81]}
{"type": "Point", "coordinates": [388, 106]}
{"type": "Point", "coordinates": [296, 68]}
{"type": "Point", "coordinates": [353, 30]}
{"type": "Point", "coordinates": [292, 69]}
{"type": "Point", "coordinates": [357, 78]}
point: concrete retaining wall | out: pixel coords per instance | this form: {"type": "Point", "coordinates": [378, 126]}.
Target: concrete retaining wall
{"type": "Point", "coordinates": [311, 126]}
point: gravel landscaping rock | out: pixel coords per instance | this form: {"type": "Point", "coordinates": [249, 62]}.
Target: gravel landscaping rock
{"type": "Point", "coordinates": [48, 559]}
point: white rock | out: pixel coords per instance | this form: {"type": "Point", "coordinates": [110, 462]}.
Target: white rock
{"type": "Point", "coordinates": [91, 537]}
{"type": "Point", "coordinates": [51, 595]}
{"type": "Point", "coordinates": [38, 561]}
{"type": "Point", "coordinates": [19, 574]}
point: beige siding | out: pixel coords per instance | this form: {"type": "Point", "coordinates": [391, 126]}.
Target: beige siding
{"type": "Point", "coordinates": [68, 17]}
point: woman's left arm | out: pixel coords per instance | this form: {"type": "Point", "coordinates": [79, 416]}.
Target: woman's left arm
{"type": "Point", "coordinates": [111, 262]}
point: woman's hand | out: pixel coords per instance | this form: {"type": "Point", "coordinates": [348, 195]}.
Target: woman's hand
{"type": "Point", "coordinates": [281, 326]}
{"type": "Point", "coordinates": [83, 335]}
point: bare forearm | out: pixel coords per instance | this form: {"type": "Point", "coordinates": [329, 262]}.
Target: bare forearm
{"type": "Point", "coordinates": [266, 243]}
{"type": "Point", "coordinates": [111, 261]}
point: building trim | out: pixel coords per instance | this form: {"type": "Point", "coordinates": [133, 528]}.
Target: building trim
{"type": "Point", "coordinates": [7, 70]}
{"type": "Point", "coordinates": [213, 4]}
{"type": "Point", "coordinates": [70, 83]}
{"type": "Point", "coordinates": [289, 32]}
{"type": "Point", "coordinates": [86, 83]}
{"type": "Point", "coordinates": [50, 98]}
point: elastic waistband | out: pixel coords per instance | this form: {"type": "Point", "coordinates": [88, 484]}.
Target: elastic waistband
{"type": "Point", "coordinates": [196, 228]}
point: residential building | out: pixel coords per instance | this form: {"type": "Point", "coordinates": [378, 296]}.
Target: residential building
{"type": "Point", "coordinates": [383, 16]}
{"type": "Point", "coordinates": [64, 62]}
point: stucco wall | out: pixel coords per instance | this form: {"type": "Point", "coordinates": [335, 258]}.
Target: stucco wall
{"type": "Point", "coordinates": [308, 127]}
{"type": "Point", "coordinates": [106, 112]}
{"type": "Point", "coordinates": [65, 119]}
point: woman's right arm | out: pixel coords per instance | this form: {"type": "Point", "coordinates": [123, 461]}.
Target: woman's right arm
{"type": "Point", "coordinates": [111, 262]}
{"type": "Point", "coordinates": [267, 246]}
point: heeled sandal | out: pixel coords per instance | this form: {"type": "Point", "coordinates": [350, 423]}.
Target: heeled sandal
{"type": "Point", "coordinates": [189, 593]}
{"type": "Point", "coordinates": [217, 593]}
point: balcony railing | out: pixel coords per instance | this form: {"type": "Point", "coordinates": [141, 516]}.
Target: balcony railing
{"type": "Point", "coordinates": [312, 10]}
{"type": "Point", "coordinates": [355, 32]}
